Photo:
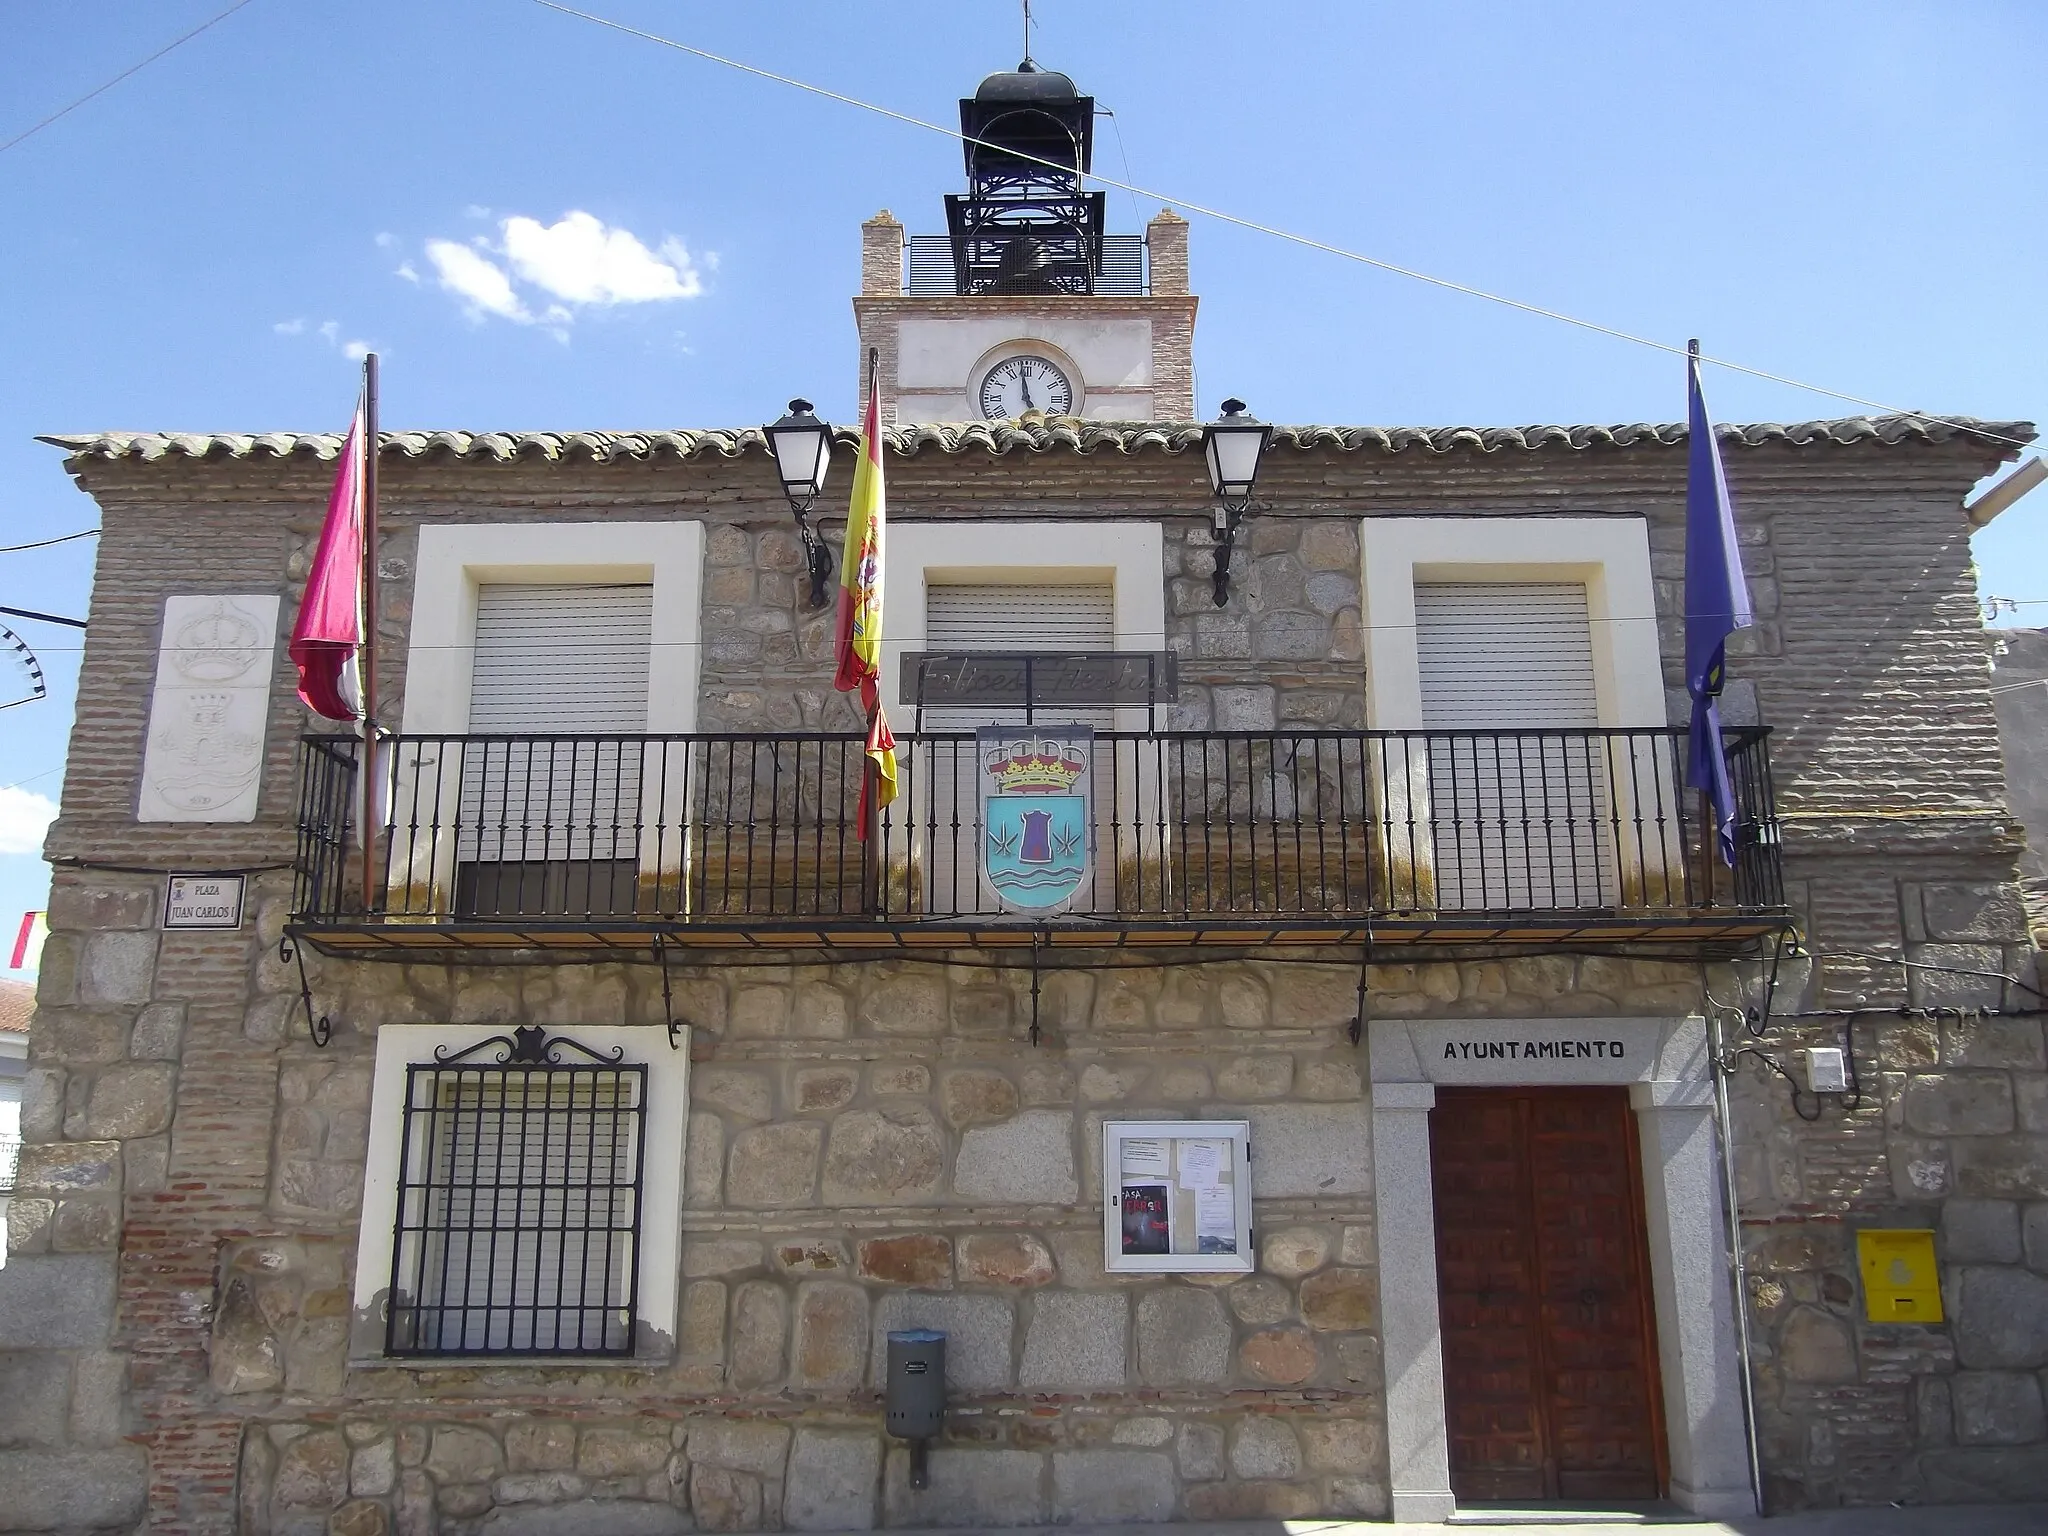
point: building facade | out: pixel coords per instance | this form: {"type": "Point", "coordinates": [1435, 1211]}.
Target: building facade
{"type": "Point", "coordinates": [573, 1172]}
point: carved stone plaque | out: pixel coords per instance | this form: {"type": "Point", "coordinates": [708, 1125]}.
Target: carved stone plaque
{"type": "Point", "coordinates": [203, 760]}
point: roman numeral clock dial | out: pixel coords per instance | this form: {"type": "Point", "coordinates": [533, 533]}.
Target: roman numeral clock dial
{"type": "Point", "coordinates": [1020, 384]}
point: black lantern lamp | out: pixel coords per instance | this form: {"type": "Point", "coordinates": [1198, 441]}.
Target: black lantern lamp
{"type": "Point", "coordinates": [1233, 443]}
{"type": "Point", "coordinates": [802, 446]}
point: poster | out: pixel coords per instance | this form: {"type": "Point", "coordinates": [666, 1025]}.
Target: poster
{"type": "Point", "coordinates": [1147, 1219]}
{"type": "Point", "coordinates": [1216, 1219]}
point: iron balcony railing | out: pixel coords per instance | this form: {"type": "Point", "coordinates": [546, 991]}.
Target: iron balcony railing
{"type": "Point", "coordinates": [10, 1163]}
{"type": "Point", "coordinates": [739, 830]}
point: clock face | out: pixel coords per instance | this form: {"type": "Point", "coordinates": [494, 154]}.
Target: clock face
{"type": "Point", "coordinates": [1026, 383]}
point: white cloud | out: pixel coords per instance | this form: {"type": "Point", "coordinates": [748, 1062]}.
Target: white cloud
{"type": "Point", "coordinates": [476, 211]}
{"type": "Point", "coordinates": [477, 280]}
{"type": "Point", "coordinates": [546, 274]}
{"type": "Point", "coordinates": [385, 239]}
{"type": "Point", "coordinates": [25, 817]}
{"type": "Point", "coordinates": [583, 261]}
{"type": "Point", "coordinates": [328, 331]}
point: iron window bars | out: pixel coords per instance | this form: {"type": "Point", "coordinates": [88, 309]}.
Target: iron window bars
{"type": "Point", "coordinates": [519, 1201]}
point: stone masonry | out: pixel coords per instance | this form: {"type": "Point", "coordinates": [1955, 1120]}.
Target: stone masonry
{"type": "Point", "coordinates": [876, 1144]}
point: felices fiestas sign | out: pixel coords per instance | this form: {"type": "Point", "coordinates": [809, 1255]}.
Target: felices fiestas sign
{"type": "Point", "coordinates": [203, 901]}
{"type": "Point", "coordinates": [1533, 1050]}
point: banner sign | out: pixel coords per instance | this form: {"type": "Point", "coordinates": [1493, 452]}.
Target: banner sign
{"type": "Point", "coordinates": [1037, 826]}
{"type": "Point", "coordinates": [1018, 679]}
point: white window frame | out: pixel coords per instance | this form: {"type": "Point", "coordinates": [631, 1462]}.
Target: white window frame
{"type": "Point", "coordinates": [659, 1247]}
{"type": "Point", "coordinates": [1238, 1133]}
{"type": "Point", "coordinates": [1609, 553]}
{"type": "Point", "coordinates": [452, 561]}
{"type": "Point", "coordinates": [1130, 556]}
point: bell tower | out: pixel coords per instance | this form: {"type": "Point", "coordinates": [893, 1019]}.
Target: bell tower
{"type": "Point", "coordinates": [1028, 302]}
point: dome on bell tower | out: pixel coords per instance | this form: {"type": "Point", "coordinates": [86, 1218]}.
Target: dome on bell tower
{"type": "Point", "coordinates": [1027, 82]}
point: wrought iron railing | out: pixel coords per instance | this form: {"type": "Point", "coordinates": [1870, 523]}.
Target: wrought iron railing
{"type": "Point", "coordinates": [10, 1163]}
{"type": "Point", "coordinates": [936, 265]}
{"type": "Point", "coordinates": [733, 830]}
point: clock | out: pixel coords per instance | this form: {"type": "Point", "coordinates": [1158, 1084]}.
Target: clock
{"type": "Point", "coordinates": [1025, 383]}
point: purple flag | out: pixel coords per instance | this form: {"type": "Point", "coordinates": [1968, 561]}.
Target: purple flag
{"type": "Point", "coordinates": [1716, 605]}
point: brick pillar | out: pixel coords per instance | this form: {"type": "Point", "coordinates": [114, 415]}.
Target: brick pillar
{"type": "Point", "coordinates": [881, 256]}
{"type": "Point", "coordinates": [1166, 240]}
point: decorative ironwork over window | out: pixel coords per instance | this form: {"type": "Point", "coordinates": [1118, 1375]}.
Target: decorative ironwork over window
{"type": "Point", "coordinates": [519, 1201]}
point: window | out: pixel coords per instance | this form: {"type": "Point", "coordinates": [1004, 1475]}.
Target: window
{"type": "Point", "coordinates": [1517, 780]}
{"type": "Point", "coordinates": [519, 1203]}
{"type": "Point", "coordinates": [522, 1195]}
{"type": "Point", "coordinates": [546, 634]}
{"type": "Point", "coordinates": [551, 824]}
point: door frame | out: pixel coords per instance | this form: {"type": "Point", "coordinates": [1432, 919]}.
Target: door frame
{"type": "Point", "coordinates": [1664, 1063]}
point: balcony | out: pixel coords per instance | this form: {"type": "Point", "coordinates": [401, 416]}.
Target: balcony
{"type": "Point", "coordinates": [594, 844]}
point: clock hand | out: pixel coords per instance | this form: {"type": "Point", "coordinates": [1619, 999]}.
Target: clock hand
{"type": "Point", "coordinates": [1025, 380]}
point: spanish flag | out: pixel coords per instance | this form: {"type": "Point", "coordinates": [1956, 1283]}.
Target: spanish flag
{"type": "Point", "coordinates": [859, 642]}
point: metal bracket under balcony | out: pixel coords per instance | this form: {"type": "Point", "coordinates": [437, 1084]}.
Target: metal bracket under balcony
{"type": "Point", "coordinates": [587, 846]}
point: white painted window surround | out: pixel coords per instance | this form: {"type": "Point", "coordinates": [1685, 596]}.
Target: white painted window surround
{"type": "Point", "coordinates": [1129, 556]}
{"type": "Point", "coordinates": [1609, 554]}
{"type": "Point", "coordinates": [660, 1242]}
{"type": "Point", "coordinates": [455, 559]}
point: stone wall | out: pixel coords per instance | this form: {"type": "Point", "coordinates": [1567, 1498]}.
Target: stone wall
{"type": "Point", "coordinates": [173, 1324]}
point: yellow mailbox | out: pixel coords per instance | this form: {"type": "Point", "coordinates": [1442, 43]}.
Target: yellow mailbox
{"type": "Point", "coordinates": [1900, 1284]}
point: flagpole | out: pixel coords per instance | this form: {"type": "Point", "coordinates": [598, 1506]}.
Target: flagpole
{"type": "Point", "coordinates": [368, 638]}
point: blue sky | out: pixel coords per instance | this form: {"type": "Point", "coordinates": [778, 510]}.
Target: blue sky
{"type": "Point", "coordinates": [1845, 193]}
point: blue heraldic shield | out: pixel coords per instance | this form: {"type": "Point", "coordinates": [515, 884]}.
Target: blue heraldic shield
{"type": "Point", "coordinates": [1036, 843]}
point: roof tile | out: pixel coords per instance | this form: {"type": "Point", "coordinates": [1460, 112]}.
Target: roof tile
{"type": "Point", "coordinates": [1029, 434]}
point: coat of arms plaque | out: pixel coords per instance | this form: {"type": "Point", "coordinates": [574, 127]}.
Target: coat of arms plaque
{"type": "Point", "coordinates": [1037, 841]}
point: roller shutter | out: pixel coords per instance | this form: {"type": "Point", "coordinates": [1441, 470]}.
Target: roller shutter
{"type": "Point", "coordinates": [1501, 655]}
{"type": "Point", "coordinates": [549, 826]}
{"type": "Point", "coordinates": [561, 658]}
{"type": "Point", "coordinates": [1519, 821]}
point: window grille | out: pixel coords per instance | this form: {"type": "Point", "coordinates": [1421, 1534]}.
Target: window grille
{"type": "Point", "coordinates": [519, 1201]}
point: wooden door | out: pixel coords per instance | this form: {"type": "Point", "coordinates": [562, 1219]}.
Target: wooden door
{"type": "Point", "coordinates": [1550, 1362]}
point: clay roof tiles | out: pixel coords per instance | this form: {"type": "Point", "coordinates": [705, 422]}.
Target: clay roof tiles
{"type": "Point", "coordinates": [1029, 434]}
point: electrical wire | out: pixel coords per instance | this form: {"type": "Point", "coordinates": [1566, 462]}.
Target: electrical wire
{"type": "Point", "coordinates": [101, 90]}
{"type": "Point", "coordinates": [1669, 348]}
{"type": "Point", "coordinates": [15, 549]}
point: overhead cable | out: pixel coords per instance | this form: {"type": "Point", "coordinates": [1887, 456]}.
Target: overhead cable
{"type": "Point", "coordinates": [1312, 243]}
{"type": "Point", "coordinates": [65, 538]}
{"type": "Point", "coordinates": [101, 90]}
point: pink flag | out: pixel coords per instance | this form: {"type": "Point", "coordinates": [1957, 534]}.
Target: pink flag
{"type": "Point", "coordinates": [327, 639]}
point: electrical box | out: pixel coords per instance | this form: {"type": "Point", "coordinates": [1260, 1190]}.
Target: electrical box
{"type": "Point", "coordinates": [915, 1393]}
{"type": "Point", "coordinates": [1900, 1281]}
{"type": "Point", "coordinates": [1826, 1070]}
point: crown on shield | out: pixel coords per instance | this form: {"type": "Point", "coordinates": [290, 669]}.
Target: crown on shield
{"type": "Point", "coordinates": [1035, 764]}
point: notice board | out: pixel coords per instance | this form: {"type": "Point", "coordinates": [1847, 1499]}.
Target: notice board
{"type": "Point", "coordinates": [1177, 1196]}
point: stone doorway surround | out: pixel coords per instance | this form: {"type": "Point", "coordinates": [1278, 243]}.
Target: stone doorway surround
{"type": "Point", "coordinates": [1665, 1065]}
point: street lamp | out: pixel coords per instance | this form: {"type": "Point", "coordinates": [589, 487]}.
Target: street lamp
{"type": "Point", "coordinates": [802, 446]}
{"type": "Point", "coordinates": [1233, 443]}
